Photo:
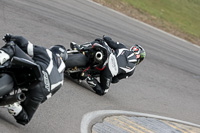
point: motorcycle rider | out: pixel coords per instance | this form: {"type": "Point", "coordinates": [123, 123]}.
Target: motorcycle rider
{"type": "Point", "coordinates": [52, 66]}
{"type": "Point", "coordinates": [121, 63]}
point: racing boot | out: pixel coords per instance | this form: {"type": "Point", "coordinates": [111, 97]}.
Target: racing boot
{"type": "Point", "coordinates": [93, 83]}
{"type": "Point", "coordinates": [14, 109]}
{"type": "Point", "coordinates": [3, 57]}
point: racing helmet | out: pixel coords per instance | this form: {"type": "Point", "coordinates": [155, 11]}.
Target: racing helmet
{"type": "Point", "coordinates": [139, 52]}
{"type": "Point", "coordinates": [59, 50]}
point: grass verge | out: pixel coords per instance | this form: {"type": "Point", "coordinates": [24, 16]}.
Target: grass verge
{"type": "Point", "coordinates": [178, 17]}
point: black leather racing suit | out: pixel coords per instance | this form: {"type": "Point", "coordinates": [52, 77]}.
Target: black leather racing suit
{"type": "Point", "coordinates": [126, 63]}
{"type": "Point", "coordinates": [52, 69]}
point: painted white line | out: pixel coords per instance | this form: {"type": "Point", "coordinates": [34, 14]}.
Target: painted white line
{"type": "Point", "coordinates": [171, 35]}
{"type": "Point", "coordinates": [89, 117]}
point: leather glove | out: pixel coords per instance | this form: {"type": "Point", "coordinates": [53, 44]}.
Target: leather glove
{"type": "Point", "coordinates": [7, 37]}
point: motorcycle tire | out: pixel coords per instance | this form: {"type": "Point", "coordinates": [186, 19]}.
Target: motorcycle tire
{"type": "Point", "coordinates": [76, 60]}
{"type": "Point", "coordinates": [6, 84]}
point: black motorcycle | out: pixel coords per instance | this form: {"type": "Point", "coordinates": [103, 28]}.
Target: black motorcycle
{"type": "Point", "coordinates": [91, 58]}
{"type": "Point", "coordinates": [15, 76]}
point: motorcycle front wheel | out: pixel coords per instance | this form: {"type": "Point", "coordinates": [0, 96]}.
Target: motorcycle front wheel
{"type": "Point", "coordinates": [76, 60]}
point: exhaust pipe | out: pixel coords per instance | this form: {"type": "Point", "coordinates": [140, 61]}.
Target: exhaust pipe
{"type": "Point", "coordinates": [98, 56]}
{"type": "Point", "coordinates": [19, 97]}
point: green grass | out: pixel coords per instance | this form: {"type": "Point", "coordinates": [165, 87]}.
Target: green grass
{"type": "Point", "coordinates": [184, 14]}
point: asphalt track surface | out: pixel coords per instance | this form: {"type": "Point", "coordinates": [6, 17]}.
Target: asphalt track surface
{"type": "Point", "coordinates": [166, 83]}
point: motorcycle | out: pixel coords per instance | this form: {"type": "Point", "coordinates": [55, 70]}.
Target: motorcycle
{"type": "Point", "coordinates": [13, 81]}
{"type": "Point", "coordinates": [91, 59]}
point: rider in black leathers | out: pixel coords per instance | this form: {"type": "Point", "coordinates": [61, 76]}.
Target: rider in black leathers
{"type": "Point", "coordinates": [123, 59]}
{"type": "Point", "coordinates": [52, 68]}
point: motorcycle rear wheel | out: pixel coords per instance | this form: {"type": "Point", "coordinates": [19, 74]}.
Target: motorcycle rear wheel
{"type": "Point", "coordinates": [76, 60]}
